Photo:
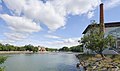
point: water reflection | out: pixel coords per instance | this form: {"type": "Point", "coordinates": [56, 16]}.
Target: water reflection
{"type": "Point", "coordinates": [41, 62]}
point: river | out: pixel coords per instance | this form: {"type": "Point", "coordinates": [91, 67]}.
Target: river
{"type": "Point", "coordinates": [41, 62]}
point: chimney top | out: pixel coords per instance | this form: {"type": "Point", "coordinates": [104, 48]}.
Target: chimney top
{"type": "Point", "coordinates": [101, 4]}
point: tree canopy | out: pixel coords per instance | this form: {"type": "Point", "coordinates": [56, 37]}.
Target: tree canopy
{"type": "Point", "coordinates": [78, 48]}
{"type": "Point", "coordinates": [96, 41]}
{"type": "Point", "coordinates": [8, 47]}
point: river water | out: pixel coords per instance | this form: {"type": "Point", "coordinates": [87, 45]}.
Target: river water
{"type": "Point", "coordinates": [41, 62]}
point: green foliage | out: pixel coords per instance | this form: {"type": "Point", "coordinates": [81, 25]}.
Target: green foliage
{"type": "Point", "coordinates": [64, 49]}
{"type": "Point", "coordinates": [20, 49]}
{"type": "Point", "coordinates": [2, 60]}
{"type": "Point", "coordinates": [51, 49]}
{"type": "Point", "coordinates": [84, 56]}
{"type": "Point", "coordinates": [29, 47]}
{"type": "Point", "coordinates": [96, 41]}
{"type": "Point", "coordinates": [2, 68]}
{"type": "Point", "coordinates": [78, 48]}
{"type": "Point", "coordinates": [35, 49]}
{"type": "Point", "coordinates": [8, 47]}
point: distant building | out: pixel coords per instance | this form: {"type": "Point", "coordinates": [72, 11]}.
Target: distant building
{"type": "Point", "coordinates": [41, 48]}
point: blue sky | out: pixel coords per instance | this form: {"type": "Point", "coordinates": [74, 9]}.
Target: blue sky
{"type": "Point", "coordinates": [51, 23]}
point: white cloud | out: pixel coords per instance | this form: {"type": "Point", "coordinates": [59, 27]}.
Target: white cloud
{"type": "Point", "coordinates": [65, 42]}
{"type": "Point", "coordinates": [37, 11]}
{"type": "Point", "coordinates": [6, 41]}
{"type": "Point", "coordinates": [111, 3]}
{"type": "Point", "coordinates": [15, 36]}
{"type": "Point", "coordinates": [53, 13]}
{"type": "Point", "coordinates": [90, 14]}
{"type": "Point", "coordinates": [20, 24]}
{"type": "Point", "coordinates": [15, 5]}
{"type": "Point", "coordinates": [20, 27]}
{"type": "Point", "coordinates": [52, 36]}
{"type": "Point", "coordinates": [75, 7]}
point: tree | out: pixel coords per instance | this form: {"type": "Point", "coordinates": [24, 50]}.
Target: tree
{"type": "Point", "coordinates": [1, 47]}
{"type": "Point", "coordinates": [64, 49]}
{"type": "Point", "coordinates": [35, 49]}
{"type": "Point", "coordinates": [51, 49]}
{"type": "Point", "coordinates": [96, 41]}
{"type": "Point", "coordinates": [77, 48]}
{"type": "Point", "coordinates": [28, 47]}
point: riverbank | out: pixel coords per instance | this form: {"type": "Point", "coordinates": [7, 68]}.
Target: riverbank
{"type": "Point", "coordinates": [20, 52]}
{"type": "Point", "coordinates": [14, 52]}
{"type": "Point", "coordinates": [28, 52]}
{"type": "Point", "coordinates": [97, 63]}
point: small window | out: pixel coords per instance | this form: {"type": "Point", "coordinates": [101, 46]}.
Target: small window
{"type": "Point", "coordinates": [118, 44]}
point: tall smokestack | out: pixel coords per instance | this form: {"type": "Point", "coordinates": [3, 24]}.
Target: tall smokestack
{"type": "Point", "coordinates": [102, 26]}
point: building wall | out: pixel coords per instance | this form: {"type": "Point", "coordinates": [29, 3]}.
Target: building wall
{"type": "Point", "coordinates": [40, 48]}
{"type": "Point", "coordinates": [115, 31]}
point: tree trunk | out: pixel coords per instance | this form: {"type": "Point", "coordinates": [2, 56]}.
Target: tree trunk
{"type": "Point", "coordinates": [102, 55]}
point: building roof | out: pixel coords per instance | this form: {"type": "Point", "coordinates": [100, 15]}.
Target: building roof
{"type": "Point", "coordinates": [111, 24]}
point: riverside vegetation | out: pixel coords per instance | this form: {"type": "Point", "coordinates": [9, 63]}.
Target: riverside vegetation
{"type": "Point", "coordinates": [8, 47]}
{"type": "Point", "coordinates": [2, 60]}
{"type": "Point", "coordinates": [77, 48]}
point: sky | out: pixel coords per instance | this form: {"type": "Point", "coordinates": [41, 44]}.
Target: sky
{"type": "Point", "coordinates": [51, 23]}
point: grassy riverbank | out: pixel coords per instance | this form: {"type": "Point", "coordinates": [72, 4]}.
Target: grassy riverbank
{"type": "Point", "coordinates": [14, 52]}
{"type": "Point", "coordinates": [97, 63]}
{"type": "Point", "coordinates": [20, 52]}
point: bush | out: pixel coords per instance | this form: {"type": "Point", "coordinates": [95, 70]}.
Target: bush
{"type": "Point", "coordinates": [2, 60]}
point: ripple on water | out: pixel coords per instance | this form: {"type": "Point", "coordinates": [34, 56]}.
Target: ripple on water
{"type": "Point", "coordinates": [41, 62]}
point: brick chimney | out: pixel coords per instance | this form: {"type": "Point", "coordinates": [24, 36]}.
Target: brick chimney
{"type": "Point", "coordinates": [102, 25]}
